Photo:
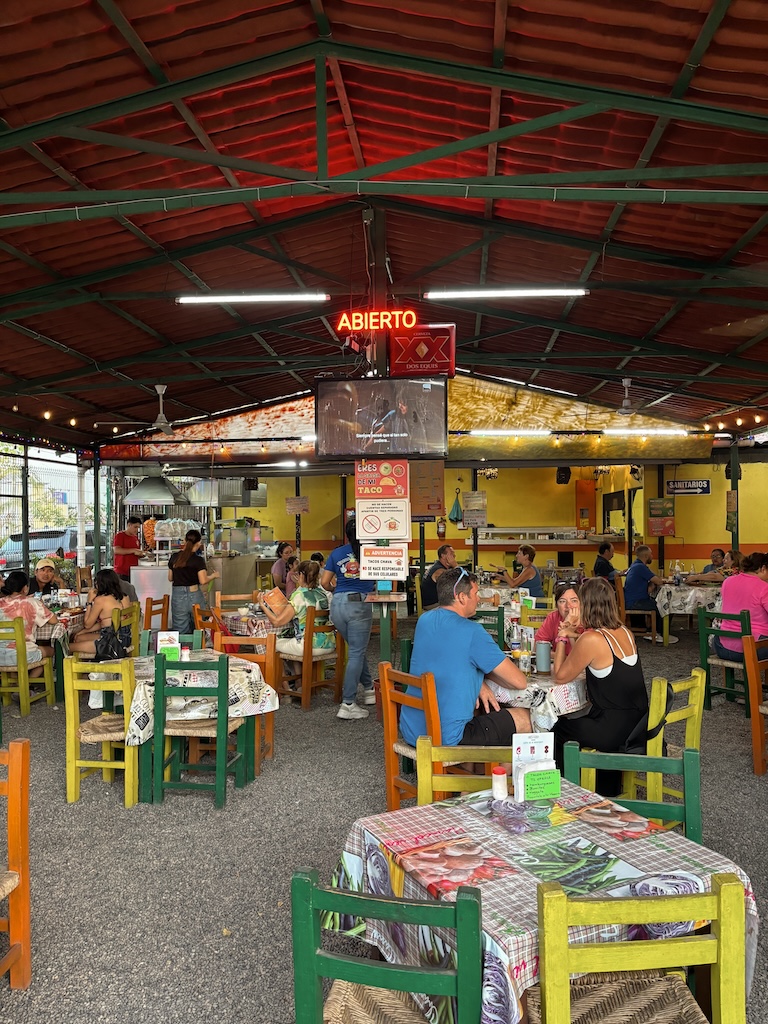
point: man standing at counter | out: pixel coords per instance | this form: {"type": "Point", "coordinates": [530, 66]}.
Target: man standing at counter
{"type": "Point", "coordinates": [280, 566]}
{"type": "Point", "coordinates": [127, 548]}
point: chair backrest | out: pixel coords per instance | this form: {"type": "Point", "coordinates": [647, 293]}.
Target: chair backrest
{"type": "Point", "coordinates": [548, 586]}
{"type": "Point", "coordinates": [12, 631]}
{"type": "Point", "coordinates": [723, 946]}
{"type": "Point", "coordinates": [245, 647]}
{"type": "Point", "coordinates": [205, 618]}
{"type": "Point", "coordinates": [691, 712]}
{"type": "Point", "coordinates": [621, 604]}
{"type": "Point", "coordinates": [83, 577]}
{"type": "Point", "coordinates": [493, 622]}
{"type": "Point", "coordinates": [707, 628]}
{"type": "Point", "coordinates": [131, 617]}
{"type": "Point", "coordinates": [234, 600]}
{"type": "Point", "coordinates": [689, 766]}
{"type": "Point", "coordinates": [419, 596]}
{"type": "Point", "coordinates": [429, 756]}
{"type": "Point", "coordinates": [15, 788]}
{"type": "Point", "coordinates": [218, 690]}
{"type": "Point", "coordinates": [532, 616]}
{"type": "Point", "coordinates": [160, 606]}
{"type": "Point", "coordinates": [755, 664]}
{"type": "Point", "coordinates": [120, 678]}
{"type": "Point", "coordinates": [311, 963]}
{"type": "Point", "coordinates": [393, 686]}
{"type": "Point", "coordinates": [193, 640]}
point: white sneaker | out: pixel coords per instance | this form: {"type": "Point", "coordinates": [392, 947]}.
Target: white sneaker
{"type": "Point", "coordinates": [351, 711]}
{"type": "Point", "coordinates": [369, 696]}
{"type": "Point", "coordinates": [660, 638]}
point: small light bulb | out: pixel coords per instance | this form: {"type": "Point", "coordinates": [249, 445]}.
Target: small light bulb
{"type": "Point", "coordinates": [758, 419]}
{"type": "Point", "coordinates": [739, 421]}
{"type": "Point", "coordinates": [222, 449]}
{"type": "Point", "coordinates": [707, 426]}
{"type": "Point", "coordinates": [643, 439]}
{"type": "Point", "coordinates": [73, 422]}
{"type": "Point", "coordinates": [16, 409]}
{"type": "Point", "coordinates": [721, 425]}
{"type": "Point", "coordinates": [46, 415]}
{"type": "Point", "coordinates": [114, 430]}
{"type": "Point", "coordinates": [557, 442]}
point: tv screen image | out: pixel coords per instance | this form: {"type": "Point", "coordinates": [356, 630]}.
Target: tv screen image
{"type": "Point", "coordinates": [381, 416]}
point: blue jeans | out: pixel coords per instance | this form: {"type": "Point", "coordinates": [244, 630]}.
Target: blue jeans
{"type": "Point", "coordinates": [353, 620]}
{"type": "Point", "coordinates": [182, 601]}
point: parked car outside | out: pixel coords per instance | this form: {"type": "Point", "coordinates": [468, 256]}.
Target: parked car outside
{"type": "Point", "coordinates": [61, 541]}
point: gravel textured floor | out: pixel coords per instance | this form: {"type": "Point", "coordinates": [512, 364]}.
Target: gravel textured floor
{"type": "Point", "coordinates": [177, 912]}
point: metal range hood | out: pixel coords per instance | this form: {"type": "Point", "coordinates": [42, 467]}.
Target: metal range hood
{"type": "Point", "coordinates": [216, 493]}
{"type": "Point", "coordinates": [155, 490]}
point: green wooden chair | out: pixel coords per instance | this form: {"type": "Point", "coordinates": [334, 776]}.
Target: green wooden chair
{"type": "Point", "coordinates": [688, 766]}
{"type": "Point", "coordinates": [193, 640]}
{"type": "Point", "coordinates": [370, 986]}
{"type": "Point", "coordinates": [733, 687]}
{"type": "Point", "coordinates": [211, 728]}
{"type": "Point", "coordinates": [647, 993]}
{"type": "Point", "coordinates": [492, 619]}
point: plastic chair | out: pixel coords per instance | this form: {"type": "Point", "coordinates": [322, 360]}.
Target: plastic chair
{"type": "Point", "coordinates": [755, 664]}
{"type": "Point", "coordinates": [732, 687]}
{"type": "Point", "coordinates": [647, 994]}
{"type": "Point", "coordinates": [161, 606]}
{"type": "Point", "coordinates": [493, 622]}
{"type": "Point", "coordinates": [14, 882]}
{"type": "Point", "coordinates": [84, 578]}
{"type": "Point", "coordinates": [108, 729]}
{"type": "Point", "coordinates": [689, 766]}
{"type": "Point", "coordinates": [192, 640]}
{"type": "Point", "coordinates": [217, 728]}
{"type": "Point", "coordinates": [312, 675]}
{"type": "Point", "coordinates": [16, 678]}
{"type": "Point", "coordinates": [626, 615]}
{"type": "Point", "coordinates": [532, 616]}
{"type": "Point", "coordinates": [431, 784]}
{"type": "Point", "coordinates": [131, 617]}
{"type": "Point", "coordinates": [269, 663]}
{"type": "Point", "coordinates": [370, 989]}
{"type": "Point", "coordinates": [692, 713]}
{"type": "Point", "coordinates": [393, 699]}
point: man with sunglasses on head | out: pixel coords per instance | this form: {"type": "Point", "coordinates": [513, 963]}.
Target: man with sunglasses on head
{"type": "Point", "coordinates": [461, 654]}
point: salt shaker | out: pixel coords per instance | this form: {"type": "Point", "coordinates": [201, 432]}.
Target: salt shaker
{"type": "Point", "coordinates": [184, 656]}
{"type": "Point", "coordinates": [499, 784]}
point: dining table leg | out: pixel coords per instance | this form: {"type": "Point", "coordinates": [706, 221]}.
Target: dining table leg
{"type": "Point", "coordinates": [665, 629]}
{"type": "Point", "coordinates": [385, 633]}
{"type": "Point", "coordinates": [145, 772]}
{"type": "Point", "coordinates": [58, 670]}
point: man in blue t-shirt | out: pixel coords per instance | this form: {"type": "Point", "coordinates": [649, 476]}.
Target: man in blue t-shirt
{"type": "Point", "coordinates": [636, 597]}
{"type": "Point", "coordinates": [460, 654]}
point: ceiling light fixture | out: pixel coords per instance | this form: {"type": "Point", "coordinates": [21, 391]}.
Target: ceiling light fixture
{"type": "Point", "coordinates": [15, 408]}
{"type": "Point", "coordinates": [504, 293]}
{"type": "Point", "coordinates": [189, 300]}
{"type": "Point", "coordinates": [707, 426]}
{"type": "Point", "coordinates": [509, 433]}
{"type": "Point", "coordinates": [758, 419]}
{"type": "Point", "coordinates": [46, 415]}
{"type": "Point", "coordinates": [739, 421]}
{"type": "Point", "coordinates": [73, 422]}
{"type": "Point", "coordinates": [721, 425]}
{"type": "Point", "coordinates": [661, 432]}
{"type": "Point", "coordinates": [114, 429]}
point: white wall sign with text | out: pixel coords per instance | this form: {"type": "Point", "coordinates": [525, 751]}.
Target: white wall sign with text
{"type": "Point", "coordinates": [383, 519]}
{"type": "Point", "coordinates": [389, 563]}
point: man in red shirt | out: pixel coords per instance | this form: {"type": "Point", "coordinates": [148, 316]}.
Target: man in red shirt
{"type": "Point", "coordinates": [127, 548]}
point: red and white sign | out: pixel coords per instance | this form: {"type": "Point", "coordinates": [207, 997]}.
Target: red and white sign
{"type": "Point", "coordinates": [423, 351]}
{"type": "Point", "coordinates": [390, 563]}
{"type": "Point", "coordinates": [383, 519]}
{"type": "Point", "coordinates": [381, 478]}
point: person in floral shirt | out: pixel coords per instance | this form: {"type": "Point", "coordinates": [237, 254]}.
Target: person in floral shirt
{"type": "Point", "coordinates": [15, 603]}
{"type": "Point", "coordinates": [308, 594]}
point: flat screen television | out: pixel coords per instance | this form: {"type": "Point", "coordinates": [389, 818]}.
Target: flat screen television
{"type": "Point", "coordinates": [377, 416]}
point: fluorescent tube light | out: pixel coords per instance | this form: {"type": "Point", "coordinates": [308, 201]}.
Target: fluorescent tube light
{"type": "Point", "coordinates": [185, 300]}
{"type": "Point", "coordinates": [650, 432]}
{"type": "Point", "coordinates": [505, 293]}
{"type": "Point", "coordinates": [510, 433]}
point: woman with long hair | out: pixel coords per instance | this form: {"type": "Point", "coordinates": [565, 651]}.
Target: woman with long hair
{"type": "Point", "coordinates": [353, 618]}
{"type": "Point", "coordinates": [606, 651]}
{"type": "Point", "coordinates": [103, 599]}
{"type": "Point", "coordinates": [308, 594]}
{"type": "Point", "coordinates": [15, 603]}
{"type": "Point", "coordinates": [187, 572]}
{"type": "Point", "coordinates": [746, 590]}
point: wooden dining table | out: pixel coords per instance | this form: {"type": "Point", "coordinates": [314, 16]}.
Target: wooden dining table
{"type": "Point", "coordinates": [506, 849]}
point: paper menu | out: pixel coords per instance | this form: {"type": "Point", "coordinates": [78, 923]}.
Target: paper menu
{"type": "Point", "coordinates": [532, 746]}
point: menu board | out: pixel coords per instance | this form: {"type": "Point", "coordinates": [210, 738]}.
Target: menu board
{"type": "Point", "coordinates": [428, 491]}
{"type": "Point", "coordinates": [661, 517]}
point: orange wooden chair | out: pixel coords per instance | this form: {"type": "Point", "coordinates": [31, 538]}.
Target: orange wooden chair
{"type": "Point", "coordinates": [755, 665]}
{"type": "Point", "coordinates": [14, 883]}
{"type": "Point", "coordinates": [649, 618]}
{"type": "Point", "coordinates": [162, 607]}
{"type": "Point", "coordinates": [312, 675]}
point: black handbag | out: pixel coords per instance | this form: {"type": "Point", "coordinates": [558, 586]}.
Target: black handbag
{"type": "Point", "coordinates": [109, 646]}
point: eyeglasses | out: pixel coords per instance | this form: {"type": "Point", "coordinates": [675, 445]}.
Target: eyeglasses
{"type": "Point", "coordinates": [458, 580]}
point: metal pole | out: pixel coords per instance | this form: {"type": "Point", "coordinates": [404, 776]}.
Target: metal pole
{"type": "Point", "coordinates": [25, 510]}
{"type": "Point", "coordinates": [81, 515]}
{"type": "Point", "coordinates": [660, 489]}
{"type": "Point", "coordinates": [735, 490]}
{"type": "Point", "coordinates": [96, 513]}
{"type": "Point", "coordinates": [422, 550]}
{"type": "Point", "coordinates": [297, 517]}
{"type": "Point", "coordinates": [108, 516]}
{"type": "Point", "coordinates": [475, 555]}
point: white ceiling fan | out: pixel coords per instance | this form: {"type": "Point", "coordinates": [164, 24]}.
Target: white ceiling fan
{"type": "Point", "coordinates": [161, 420]}
{"type": "Point", "coordinates": [627, 406]}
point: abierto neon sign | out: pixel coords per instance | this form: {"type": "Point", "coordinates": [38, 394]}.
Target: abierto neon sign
{"type": "Point", "coordinates": [376, 320]}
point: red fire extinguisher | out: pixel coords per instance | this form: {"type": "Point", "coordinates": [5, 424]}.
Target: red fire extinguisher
{"type": "Point", "coordinates": [441, 528]}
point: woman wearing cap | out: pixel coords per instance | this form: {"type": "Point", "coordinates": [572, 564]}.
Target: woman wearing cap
{"type": "Point", "coordinates": [45, 578]}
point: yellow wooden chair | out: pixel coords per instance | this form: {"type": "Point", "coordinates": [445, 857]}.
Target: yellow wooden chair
{"type": "Point", "coordinates": [14, 883]}
{"type": "Point", "coordinates": [533, 616]}
{"type": "Point", "coordinates": [647, 994]}
{"type": "Point", "coordinates": [419, 597]}
{"type": "Point", "coordinates": [160, 606]}
{"type": "Point", "coordinates": [548, 586]}
{"type": "Point", "coordinates": [312, 676]}
{"type": "Point", "coordinates": [84, 578]}
{"type": "Point", "coordinates": [262, 652]}
{"type": "Point", "coordinates": [131, 617]}
{"type": "Point", "coordinates": [265, 581]}
{"type": "Point", "coordinates": [109, 729]}
{"type": "Point", "coordinates": [755, 665]}
{"type": "Point", "coordinates": [431, 783]}
{"type": "Point", "coordinates": [16, 678]}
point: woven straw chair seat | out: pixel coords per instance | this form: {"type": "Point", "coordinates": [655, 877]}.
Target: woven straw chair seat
{"type": "Point", "coordinates": [763, 709]}
{"type": "Point", "coordinates": [348, 1003]}
{"type": "Point", "coordinates": [107, 728]}
{"type": "Point", "coordinates": [9, 880]}
{"type": "Point", "coordinates": [199, 727]}
{"type": "Point", "coordinates": [714, 660]}
{"type": "Point", "coordinates": [325, 655]}
{"type": "Point", "coordinates": [405, 750]}
{"type": "Point", "coordinates": [673, 750]}
{"type": "Point", "coordinates": [627, 997]}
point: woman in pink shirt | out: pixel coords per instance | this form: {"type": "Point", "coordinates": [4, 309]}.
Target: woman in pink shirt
{"type": "Point", "coordinates": [747, 591]}
{"type": "Point", "coordinates": [565, 620]}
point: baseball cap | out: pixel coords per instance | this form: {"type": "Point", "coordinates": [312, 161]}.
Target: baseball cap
{"type": "Point", "coordinates": [45, 562]}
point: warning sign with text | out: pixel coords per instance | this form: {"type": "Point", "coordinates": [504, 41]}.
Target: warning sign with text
{"type": "Point", "coordinates": [383, 519]}
{"type": "Point", "coordinates": [389, 563]}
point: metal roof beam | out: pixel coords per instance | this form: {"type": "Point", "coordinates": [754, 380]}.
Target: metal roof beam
{"type": "Point", "coordinates": [630, 174]}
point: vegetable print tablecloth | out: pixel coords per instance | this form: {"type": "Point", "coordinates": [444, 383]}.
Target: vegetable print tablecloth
{"type": "Point", "coordinates": [588, 844]}
{"type": "Point", "coordinates": [685, 600]}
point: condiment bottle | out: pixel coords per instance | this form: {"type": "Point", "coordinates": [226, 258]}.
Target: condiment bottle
{"type": "Point", "coordinates": [499, 784]}
{"type": "Point", "coordinates": [184, 654]}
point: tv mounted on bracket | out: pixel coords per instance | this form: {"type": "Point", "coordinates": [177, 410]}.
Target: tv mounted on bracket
{"type": "Point", "coordinates": [377, 416]}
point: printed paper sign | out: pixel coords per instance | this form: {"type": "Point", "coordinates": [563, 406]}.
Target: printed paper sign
{"type": "Point", "coordinates": [296, 506]}
{"type": "Point", "coordinates": [383, 478]}
{"type": "Point", "coordinates": [661, 517]}
{"type": "Point", "coordinates": [382, 519]}
{"type": "Point", "coordinates": [379, 563]}
{"type": "Point", "coordinates": [428, 491]}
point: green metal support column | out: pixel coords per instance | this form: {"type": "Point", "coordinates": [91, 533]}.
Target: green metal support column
{"type": "Point", "coordinates": [735, 491]}
{"type": "Point", "coordinates": [108, 517]}
{"type": "Point", "coordinates": [96, 513]}
{"type": "Point", "coordinates": [25, 510]}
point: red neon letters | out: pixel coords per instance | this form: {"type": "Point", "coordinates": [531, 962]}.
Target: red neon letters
{"type": "Point", "coordinates": [376, 320]}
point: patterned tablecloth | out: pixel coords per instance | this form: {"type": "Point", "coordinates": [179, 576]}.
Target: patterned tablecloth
{"type": "Point", "coordinates": [68, 625]}
{"type": "Point", "coordinates": [685, 600]}
{"type": "Point", "coordinates": [249, 625]}
{"type": "Point", "coordinates": [248, 693]}
{"type": "Point", "coordinates": [506, 849]}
